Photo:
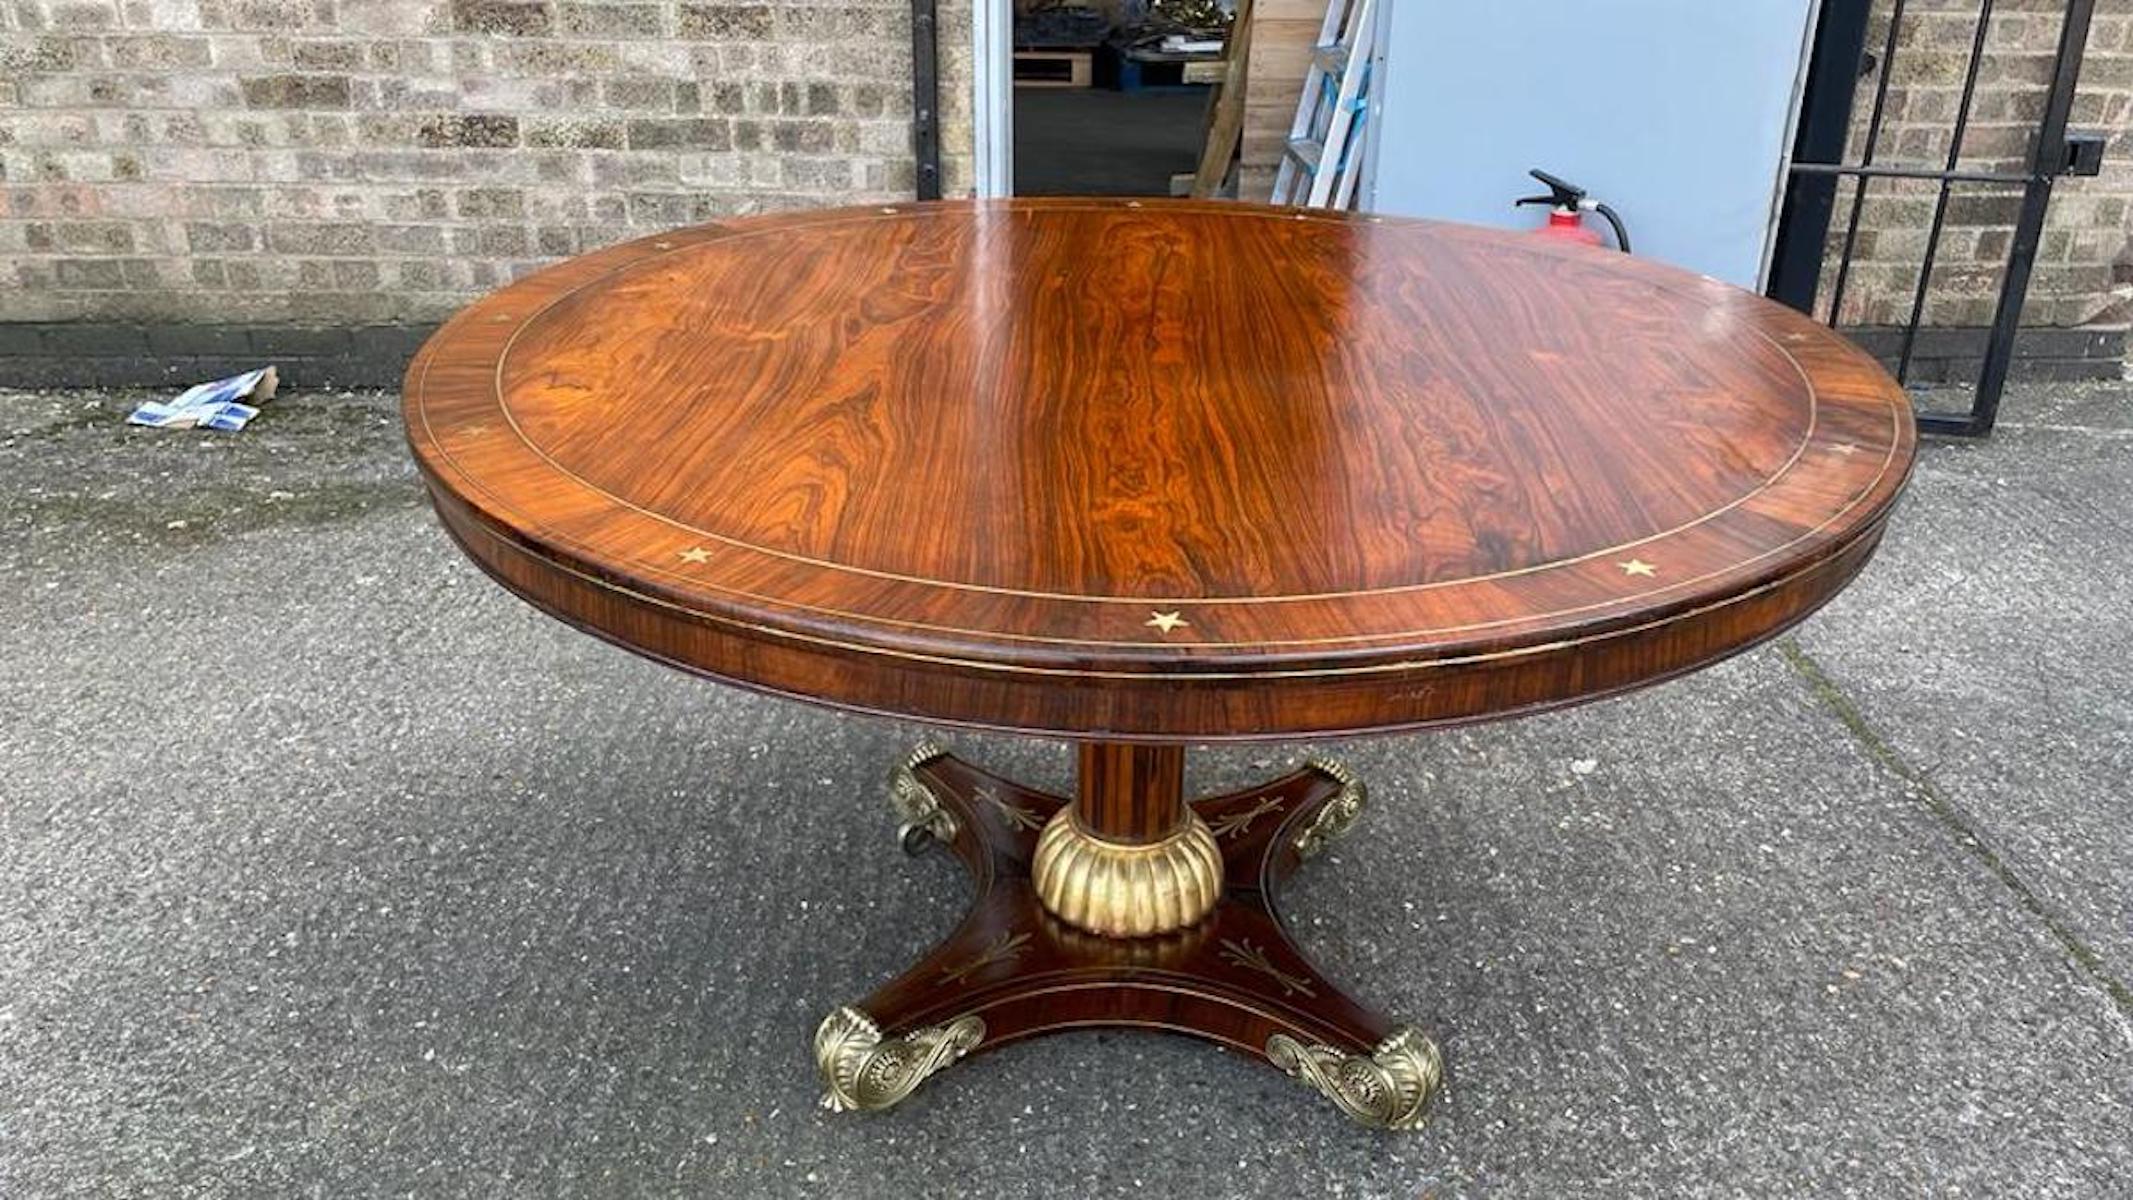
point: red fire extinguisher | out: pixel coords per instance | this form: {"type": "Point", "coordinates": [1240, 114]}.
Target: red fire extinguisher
{"type": "Point", "coordinates": [1568, 205]}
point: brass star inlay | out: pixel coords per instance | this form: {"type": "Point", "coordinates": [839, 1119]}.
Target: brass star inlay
{"type": "Point", "coordinates": [1844, 448]}
{"type": "Point", "coordinates": [696, 554]}
{"type": "Point", "coordinates": [1638, 566]}
{"type": "Point", "coordinates": [1166, 621]}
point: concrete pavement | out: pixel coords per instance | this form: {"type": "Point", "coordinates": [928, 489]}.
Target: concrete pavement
{"type": "Point", "coordinates": [326, 868]}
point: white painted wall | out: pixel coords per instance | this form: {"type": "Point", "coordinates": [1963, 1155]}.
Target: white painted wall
{"type": "Point", "coordinates": [1679, 113]}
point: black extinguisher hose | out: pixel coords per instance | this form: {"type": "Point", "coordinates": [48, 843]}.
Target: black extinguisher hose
{"type": "Point", "coordinates": [1615, 222]}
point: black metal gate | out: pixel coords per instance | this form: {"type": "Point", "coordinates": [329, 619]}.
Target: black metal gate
{"type": "Point", "coordinates": [1838, 62]}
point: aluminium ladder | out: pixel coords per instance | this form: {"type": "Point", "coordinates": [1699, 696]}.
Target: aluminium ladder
{"type": "Point", "coordinates": [1322, 158]}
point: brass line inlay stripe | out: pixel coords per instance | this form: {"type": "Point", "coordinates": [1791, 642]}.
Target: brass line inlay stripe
{"type": "Point", "coordinates": [1888, 457]}
{"type": "Point", "coordinates": [1157, 676]}
{"type": "Point", "coordinates": [727, 235]}
{"type": "Point", "coordinates": [1121, 1023]}
{"type": "Point", "coordinates": [1151, 986]}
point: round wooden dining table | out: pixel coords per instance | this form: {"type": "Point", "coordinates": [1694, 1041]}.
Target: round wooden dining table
{"type": "Point", "coordinates": [1139, 475]}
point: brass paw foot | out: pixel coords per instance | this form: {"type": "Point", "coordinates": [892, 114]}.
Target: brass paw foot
{"type": "Point", "coordinates": [862, 1070]}
{"type": "Point", "coordinates": [1389, 1088]}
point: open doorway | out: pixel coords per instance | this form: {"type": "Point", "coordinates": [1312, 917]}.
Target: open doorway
{"type": "Point", "coordinates": [1111, 97]}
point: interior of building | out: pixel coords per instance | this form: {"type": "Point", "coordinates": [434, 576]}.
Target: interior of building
{"type": "Point", "coordinates": [1112, 97]}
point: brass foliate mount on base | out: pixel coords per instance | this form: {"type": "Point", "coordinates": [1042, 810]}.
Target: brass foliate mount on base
{"type": "Point", "coordinates": [1080, 921]}
{"type": "Point", "coordinates": [919, 810]}
{"type": "Point", "coordinates": [1389, 1088]}
{"type": "Point", "coordinates": [863, 1071]}
{"type": "Point", "coordinates": [1339, 814]}
{"type": "Point", "coordinates": [1123, 890]}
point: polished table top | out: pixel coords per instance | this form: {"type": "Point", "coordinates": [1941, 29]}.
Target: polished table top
{"type": "Point", "coordinates": [1156, 470]}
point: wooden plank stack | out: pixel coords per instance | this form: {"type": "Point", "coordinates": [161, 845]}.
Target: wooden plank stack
{"type": "Point", "coordinates": [1282, 35]}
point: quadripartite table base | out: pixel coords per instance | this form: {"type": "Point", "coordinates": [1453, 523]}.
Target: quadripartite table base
{"type": "Point", "coordinates": [1126, 907]}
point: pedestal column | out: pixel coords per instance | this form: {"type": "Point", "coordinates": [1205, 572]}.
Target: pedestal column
{"type": "Point", "coordinates": [1128, 858]}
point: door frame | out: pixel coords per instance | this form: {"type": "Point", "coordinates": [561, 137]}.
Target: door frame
{"type": "Point", "coordinates": [992, 97]}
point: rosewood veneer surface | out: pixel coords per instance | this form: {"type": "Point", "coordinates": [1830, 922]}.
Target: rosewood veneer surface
{"type": "Point", "coordinates": [1156, 471]}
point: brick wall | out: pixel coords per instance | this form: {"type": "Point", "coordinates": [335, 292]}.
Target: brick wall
{"type": "Point", "coordinates": [2084, 270]}
{"type": "Point", "coordinates": [380, 161]}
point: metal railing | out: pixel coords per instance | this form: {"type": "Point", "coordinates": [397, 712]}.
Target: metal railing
{"type": "Point", "coordinates": [1803, 242]}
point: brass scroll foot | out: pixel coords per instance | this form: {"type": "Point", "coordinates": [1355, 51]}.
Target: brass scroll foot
{"type": "Point", "coordinates": [920, 811]}
{"type": "Point", "coordinates": [861, 1070]}
{"type": "Point", "coordinates": [1339, 813]}
{"type": "Point", "coordinates": [1389, 1088]}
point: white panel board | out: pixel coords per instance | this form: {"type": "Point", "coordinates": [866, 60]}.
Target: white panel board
{"type": "Point", "coordinates": [1679, 113]}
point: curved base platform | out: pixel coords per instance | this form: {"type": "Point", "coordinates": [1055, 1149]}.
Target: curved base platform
{"type": "Point", "coordinates": [1012, 970]}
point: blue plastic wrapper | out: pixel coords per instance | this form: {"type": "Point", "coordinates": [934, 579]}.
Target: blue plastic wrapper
{"type": "Point", "coordinates": [214, 405]}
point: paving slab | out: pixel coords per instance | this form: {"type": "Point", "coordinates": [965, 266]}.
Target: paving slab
{"type": "Point", "coordinates": [328, 868]}
{"type": "Point", "coordinates": [1990, 648]}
